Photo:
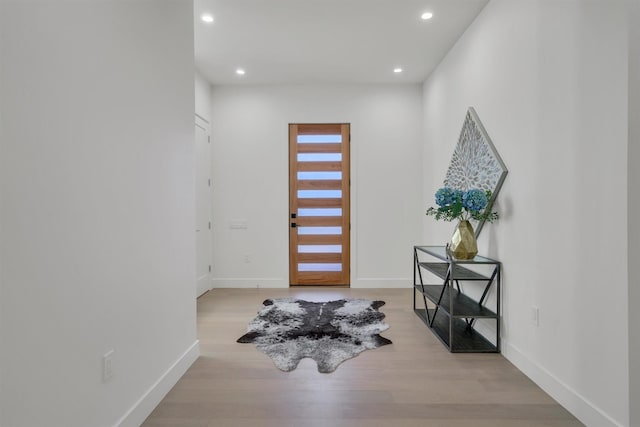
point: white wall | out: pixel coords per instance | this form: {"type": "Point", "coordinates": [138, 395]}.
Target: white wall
{"type": "Point", "coordinates": [97, 217]}
{"type": "Point", "coordinates": [549, 82]}
{"type": "Point", "coordinates": [250, 170]}
{"type": "Point", "coordinates": [634, 212]}
{"type": "Point", "coordinates": [203, 97]}
{"type": "Point", "coordinates": [3, 350]}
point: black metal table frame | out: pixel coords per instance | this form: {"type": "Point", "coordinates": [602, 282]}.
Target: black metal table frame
{"type": "Point", "coordinates": [454, 273]}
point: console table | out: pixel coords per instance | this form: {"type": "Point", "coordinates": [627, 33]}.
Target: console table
{"type": "Point", "coordinates": [450, 313]}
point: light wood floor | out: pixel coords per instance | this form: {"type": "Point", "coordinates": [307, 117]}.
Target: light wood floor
{"type": "Point", "coordinates": [413, 382]}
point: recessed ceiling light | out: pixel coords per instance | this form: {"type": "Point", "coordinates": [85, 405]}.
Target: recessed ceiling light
{"type": "Point", "coordinates": [206, 17]}
{"type": "Point", "coordinates": [240, 72]}
{"type": "Point", "coordinates": [426, 15]}
{"type": "Point", "coordinates": [397, 70]}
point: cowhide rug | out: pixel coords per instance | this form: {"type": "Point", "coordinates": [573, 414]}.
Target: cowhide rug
{"type": "Point", "coordinates": [288, 330]}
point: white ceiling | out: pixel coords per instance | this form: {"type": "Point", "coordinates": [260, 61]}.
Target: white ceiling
{"type": "Point", "coordinates": [326, 41]}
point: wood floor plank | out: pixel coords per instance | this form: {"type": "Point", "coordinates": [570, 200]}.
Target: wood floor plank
{"type": "Point", "coordinates": [413, 382]}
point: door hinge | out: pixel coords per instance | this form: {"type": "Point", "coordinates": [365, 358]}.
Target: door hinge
{"type": "Point", "coordinates": [209, 225]}
{"type": "Point", "coordinates": [209, 138]}
{"type": "Point", "coordinates": [209, 269]}
{"type": "Point", "coordinates": [209, 182]}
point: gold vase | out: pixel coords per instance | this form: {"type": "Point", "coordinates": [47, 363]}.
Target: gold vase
{"type": "Point", "coordinates": [463, 241]}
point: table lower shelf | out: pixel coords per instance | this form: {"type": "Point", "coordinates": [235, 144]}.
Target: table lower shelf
{"type": "Point", "coordinates": [463, 306]}
{"type": "Point", "coordinates": [465, 339]}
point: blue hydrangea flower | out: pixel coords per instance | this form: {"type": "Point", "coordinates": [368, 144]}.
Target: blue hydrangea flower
{"type": "Point", "coordinates": [446, 196]}
{"type": "Point", "coordinates": [474, 200]}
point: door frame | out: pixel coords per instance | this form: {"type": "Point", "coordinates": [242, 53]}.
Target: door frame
{"type": "Point", "coordinates": [345, 130]}
{"type": "Point", "coordinates": [205, 125]}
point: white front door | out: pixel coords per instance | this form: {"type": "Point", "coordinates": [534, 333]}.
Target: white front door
{"type": "Point", "coordinates": [203, 207]}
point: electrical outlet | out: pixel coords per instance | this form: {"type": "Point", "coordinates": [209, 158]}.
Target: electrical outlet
{"type": "Point", "coordinates": [535, 315]}
{"type": "Point", "coordinates": [107, 366]}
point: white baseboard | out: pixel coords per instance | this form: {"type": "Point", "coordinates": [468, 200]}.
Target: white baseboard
{"type": "Point", "coordinates": [587, 412]}
{"type": "Point", "coordinates": [152, 397]}
{"type": "Point", "coordinates": [402, 282]}
{"type": "Point", "coordinates": [249, 283]}
{"type": "Point", "coordinates": [242, 283]}
{"type": "Point", "coordinates": [487, 328]}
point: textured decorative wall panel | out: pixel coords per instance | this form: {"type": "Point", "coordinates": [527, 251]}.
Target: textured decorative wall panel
{"type": "Point", "coordinates": [475, 162]}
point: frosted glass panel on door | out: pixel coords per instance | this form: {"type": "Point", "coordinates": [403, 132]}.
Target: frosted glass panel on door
{"type": "Point", "coordinates": [325, 231]}
{"type": "Point", "coordinates": [319, 267]}
{"type": "Point", "coordinates": [319, 157]}
{"type": "Point", "coordinates": [319, 194]}
{"type": "Point", "coordinates": [320, 175]}
{"type": "Point", "coordinates": [320, 212]}
{"type": "Point", "coordinates": [319, 139]}
{"type": "Point", "coordinates": [319, 249]}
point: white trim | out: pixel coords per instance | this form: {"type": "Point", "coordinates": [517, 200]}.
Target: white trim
{"type": "Point", "coordinates": [202, 123]}
{"type": "Point", "coordinates": [251, 283]}
{"type": "Point", "coordinates": [135, 416]}
{"type": "Point", "coordinates": [583, 409]}
{"type": "Point", "coordinates": [486, 328]}
{"type": "Point", "coordinates": [378, 283]}
{"type": "Point", "coordinates": [254, 283]}
{"type": "Point", "coordinates": [260, 282]}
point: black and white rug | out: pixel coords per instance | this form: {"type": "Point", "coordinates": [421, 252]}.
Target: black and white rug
{"type": "Point", "coordinates": [288, 330]}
